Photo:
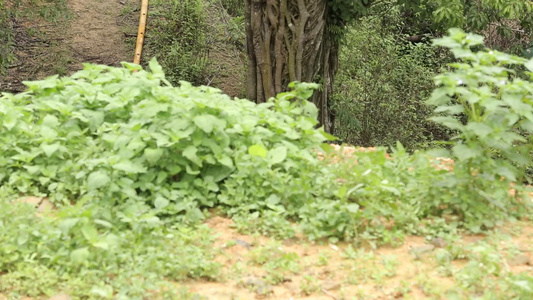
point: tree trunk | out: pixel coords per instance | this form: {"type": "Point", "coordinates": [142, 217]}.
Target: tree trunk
{"type": "Point", "coordinates": [287, 40]}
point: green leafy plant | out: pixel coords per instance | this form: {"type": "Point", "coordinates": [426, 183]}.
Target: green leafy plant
{"type": "Point", "coordinates": [489, 105]}
{"type": "Point", "coordinates": [277, 263]}
{"type": "Point", "coordinates": [382, 84]}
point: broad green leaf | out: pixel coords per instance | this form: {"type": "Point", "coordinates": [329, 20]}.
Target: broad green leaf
{"type": "Point", "coordinates": [10, 119]}
{"type": "Point", "coordinates": [449, 122]}
{"type": "Point", "coordinates": [101, 244]}
{"type": "Point", "coordinates": [153, 155]}
{"type": "Point", "coordinates": [191, 171]}
{"type": "Point", "coordinates": [103, 223]}
{"type": "Point", "coordinates": [463, 152]}
{"type": "Point", "coordinates": [161, 202]}
{"type": "Point", "coordinates": [49, 150]}
{"type": "Point", "coordinates": [439, 97]}
{"type": "Point", "coordinates": [352, 208]}
{"type": "Point", "coordinates": [155, 67]}
{"type": "Point", "coordinates": [277, 155]}
{"type": "Point", "coordinates": [226, 161]}
{"type": "Point", "coordinates": [129, 166]}
{"type": "Point", "coordinates": [257, 150]}
{"type": "Point", "coordinates": [452, 109]}
{"type": "Point", "coordinates": [89, 232]}
{"type": "Point", "coordinates": [80, 256]}
{"type": "Point", "coordinates": [529, 65]}
{"type": "Point", "coordinates": [480, 129]}
{"type": "Point", "coordinates": [218, 173]}
{"type": "Point", "coordinates": [50, 121]}
{"type": "Point", "coordinates": [67, 224]}
{"type": "Point", "coordinates": [48, 133]}
{"type": "Point", "coordinates": [97, 180]}
{"type": "Point", "coordinates": [207, 122]}
{"type": "Point", "coordinates": [190, 153]}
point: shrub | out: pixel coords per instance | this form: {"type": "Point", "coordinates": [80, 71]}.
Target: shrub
{"type": "Point", "coordinates": [109, 135]}
{"type": "Point", "coordinates": [381, 86]}
{"type": "Point", "coordinates": [489, 149]}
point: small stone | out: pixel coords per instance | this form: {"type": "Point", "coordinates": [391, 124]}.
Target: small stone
{"type": "Point", "coordinates": [245, 244]}
{"type": "Point", "coordinates": [330, 285]}
{"type": "Point", "coordinates": [263, 290]}
{"type": "Point", "coordinates": [519, 260]}
{"type": "Point", "coordinates": [259, 286]}
{"type": "Point", "coordinates": [439, 242]}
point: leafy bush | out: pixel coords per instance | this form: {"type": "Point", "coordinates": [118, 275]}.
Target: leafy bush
{"type": "Point", "coordinates": [381, 85]}
{"type": "Point", "coordinates": [488, 105]}
{"type": "Point", "coordinates": [489, 150]}
{"type": "Point", "coordinates": [123, 154]}
{"type": "Point", "coordinates": [84, 251]}
{"type": "Point", "coordinates": [122, 139]}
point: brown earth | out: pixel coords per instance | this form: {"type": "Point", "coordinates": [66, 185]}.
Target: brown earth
{"type": "Point", "coordinates": [95, 35]}
{"type": "Point", "coordinates": [87, 31]}
{"type": "Point", "coordinates": [339, 277]}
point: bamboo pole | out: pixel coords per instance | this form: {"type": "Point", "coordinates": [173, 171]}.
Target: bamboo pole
{"type": "Point", "coordinates": [140, 34]}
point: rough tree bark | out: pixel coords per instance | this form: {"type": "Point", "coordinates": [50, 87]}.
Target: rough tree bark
{"type": "Point", "coordinates": [287, 40]}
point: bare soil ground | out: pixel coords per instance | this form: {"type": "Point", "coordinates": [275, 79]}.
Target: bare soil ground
{"type": "Point", "coordinates": [87, 31]}
{"type": "Point", "coordinates": [95, 35]}
{"type": "Point", "coordinates": [327, 272]}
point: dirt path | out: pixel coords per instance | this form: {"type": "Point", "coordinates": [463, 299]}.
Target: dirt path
{"type": "Point", "coordinates": [94, 35]}
{"type": "Point", "coordinates": [84, 31]}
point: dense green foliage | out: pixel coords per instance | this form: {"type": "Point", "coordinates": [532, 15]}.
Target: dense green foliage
{"type": "Point", "coordinates": [129, 152]}
{"type": "Point", "coordinates": [475, 15]}
{"type": "Point", "coordinates": [382, 84]}
{"type": "Point", "coordinates": [489, 149]}
{"type": "Point", "coordinates": [128, 140]}
{"type": "Point", "coordinates": [81, 253]}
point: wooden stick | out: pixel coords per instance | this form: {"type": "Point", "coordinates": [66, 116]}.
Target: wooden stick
{"type": "Point", "coordinates": [140, 34]}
